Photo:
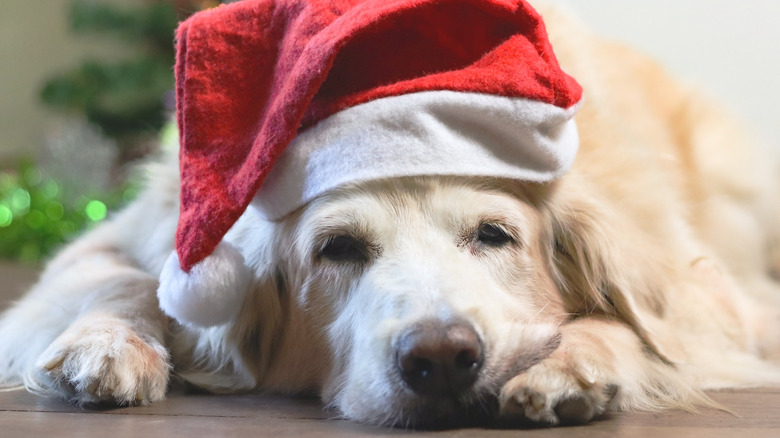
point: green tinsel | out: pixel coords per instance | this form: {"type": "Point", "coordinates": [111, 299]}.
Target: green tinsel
{"type": "Point", "coordinates": [38, 215]}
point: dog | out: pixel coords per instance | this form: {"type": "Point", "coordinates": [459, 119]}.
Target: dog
{"type": "Point", "coordinates": [642, 277]}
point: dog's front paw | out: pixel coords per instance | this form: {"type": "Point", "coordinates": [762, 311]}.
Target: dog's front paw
{"type": "Point", "coordinates": [103, 360]}
{"type": "Point", "coordinates": [555, 392]}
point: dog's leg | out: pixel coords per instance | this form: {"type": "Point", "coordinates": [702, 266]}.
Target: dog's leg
{"type": "Point", "coordinates": [91, 330]}
{"type": "Point", "coordinates": [600, 365]}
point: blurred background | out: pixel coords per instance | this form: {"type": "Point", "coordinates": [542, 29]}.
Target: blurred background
{"type": "Point", "coordinates": [731, 49]}
{"type": "Point", "coordinates": [86, 90]}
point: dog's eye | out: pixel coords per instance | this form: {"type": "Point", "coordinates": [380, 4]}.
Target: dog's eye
{"type": "Point", "coordinates": [344, 249]}
{"type": "Point", "coordinates": [493, 235]}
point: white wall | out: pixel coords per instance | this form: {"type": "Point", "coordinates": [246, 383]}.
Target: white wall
{"type": "Point", "coordinates": [731, 48]}
{"type": "Point", "coordinates": [36, 42]}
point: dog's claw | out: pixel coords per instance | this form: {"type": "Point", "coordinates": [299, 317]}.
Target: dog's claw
{"type": "Point", "coordinates": [575, 410]}
{"type": "Point", "coordinates": [610, 391]}
{"type": "Point", "coordinates": [537, 401]}
{"type": "Point", "coordinates": [53, 363]}
{"type": "Point", "coordinates": [94, 388]}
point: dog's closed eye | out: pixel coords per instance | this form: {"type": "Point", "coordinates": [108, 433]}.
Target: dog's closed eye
{"type": "Point", "coordinates": [492, 235]}
{"type": "Point", "coordinates": [344, 248]}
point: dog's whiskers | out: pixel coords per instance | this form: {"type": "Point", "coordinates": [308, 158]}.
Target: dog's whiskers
{"type": "Point", "coordinates": [533, 319]}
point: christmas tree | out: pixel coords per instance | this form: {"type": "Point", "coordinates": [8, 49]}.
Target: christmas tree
{"type": "Point", "coordinates": [131, 99]}
{"type": "Point", "coordinates": [126, 102]}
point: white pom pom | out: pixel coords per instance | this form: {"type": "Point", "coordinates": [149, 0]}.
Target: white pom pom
{"type": "Point", "coordinates": [211, 293]}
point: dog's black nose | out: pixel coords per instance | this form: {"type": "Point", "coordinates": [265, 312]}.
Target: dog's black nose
{"type": "Point", "coordinates": [437, 359]}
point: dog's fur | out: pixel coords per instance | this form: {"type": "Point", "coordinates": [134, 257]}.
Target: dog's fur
{"type": "Point", "coordinates": [637, 280]}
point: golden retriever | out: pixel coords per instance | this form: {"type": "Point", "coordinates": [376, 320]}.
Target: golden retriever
{"type": "Point", "coordinates": [637, 280]}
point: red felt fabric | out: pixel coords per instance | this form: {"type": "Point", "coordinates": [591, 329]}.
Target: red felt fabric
{"type": "Point", "coordinates": [249, 75]}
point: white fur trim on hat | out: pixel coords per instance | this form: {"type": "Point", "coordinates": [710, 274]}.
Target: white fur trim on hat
{"type": "Point", "coordinates": [425, 133]}
{"type": "Point", "coordinates": [211, 293]}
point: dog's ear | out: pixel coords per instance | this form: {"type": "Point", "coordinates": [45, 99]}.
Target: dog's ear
{"type": "Point", "coordinates": [603, 263]}
{"type": "Point", "coordinates": [262, 315]}
{"type": "Point", "coordinates": [233, 356]}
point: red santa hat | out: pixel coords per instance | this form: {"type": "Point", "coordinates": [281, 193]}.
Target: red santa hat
{"type": "Point", "coordinates": [279, 101]}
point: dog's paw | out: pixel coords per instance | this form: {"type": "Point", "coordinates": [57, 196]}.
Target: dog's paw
{"type": "Point", "coordinates": [555, 392]}
{"type": "Point", "coordinates": [103, 361]}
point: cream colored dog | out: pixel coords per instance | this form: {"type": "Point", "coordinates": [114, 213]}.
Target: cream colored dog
{"type": "Point", "coordinates": [639, 279]}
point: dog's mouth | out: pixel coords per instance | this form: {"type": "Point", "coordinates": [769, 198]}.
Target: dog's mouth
{"type": "Point", "coordinates": [452, 379]}
{"type": "Point", "coordinates": [476, 409]}
{"type": "Point", "coordinates": [441, 375]}
{"type": "Point", "coordinates": [477, 406]}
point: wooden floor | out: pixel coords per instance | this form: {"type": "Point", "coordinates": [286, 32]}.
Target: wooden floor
{"type": "Point", "coordinates": [200, 415]}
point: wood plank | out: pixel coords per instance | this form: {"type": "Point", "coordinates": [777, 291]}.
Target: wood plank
{"type": "Point", "coordinates": [751, 408]}
{"type": "Point", "coordinates": [180, 403]}
{"type": "Point", "coordinates": [27, 424]}
{"type": "Point", "coordinates": [183, 414]}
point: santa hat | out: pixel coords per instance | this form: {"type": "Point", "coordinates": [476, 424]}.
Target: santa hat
{"type": "Point", "coordinates": [279, 101]}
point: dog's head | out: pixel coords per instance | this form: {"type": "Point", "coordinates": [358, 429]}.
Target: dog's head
{"type": "Point", "coordinates": [412, 301]}
{"type": "Point", "coordinates": [432, 294]}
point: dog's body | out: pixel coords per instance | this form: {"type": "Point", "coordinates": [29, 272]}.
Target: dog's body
{"type": "Point", "coordinates": [635, 281]}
